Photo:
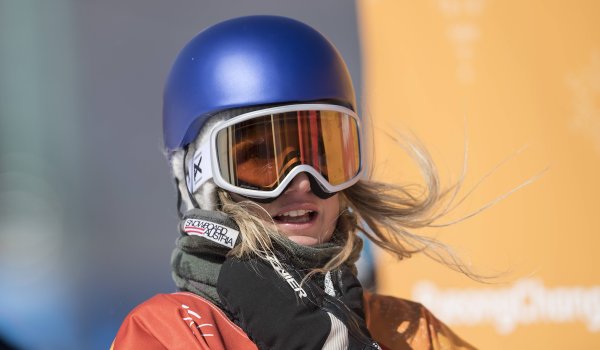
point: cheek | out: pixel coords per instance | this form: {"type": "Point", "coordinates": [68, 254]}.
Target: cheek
{"type": "Point", "coordinates": [331, 210]}
{"type": "Point", "coordinates": [237, 198]}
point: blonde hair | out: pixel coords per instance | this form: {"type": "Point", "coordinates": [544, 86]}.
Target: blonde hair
{"type": "Point", "coordinates": [385, 213]}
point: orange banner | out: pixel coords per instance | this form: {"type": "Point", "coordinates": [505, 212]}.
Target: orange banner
{"type": "Point", "coordinates": [520, 81]}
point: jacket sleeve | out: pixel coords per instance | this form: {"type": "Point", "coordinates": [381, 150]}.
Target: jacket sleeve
{"type": "Point", "coordinates": [134, 334]}
{"type": "Point", "coordinates": [179, 321]}
{"type": "Point", "coordinates": [403, 324]}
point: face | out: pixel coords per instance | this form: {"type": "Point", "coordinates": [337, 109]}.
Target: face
{"type": "Point", "coordinates": [300, 215]}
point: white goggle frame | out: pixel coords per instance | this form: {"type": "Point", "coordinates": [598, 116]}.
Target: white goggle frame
{"type": "Point", "coordinates": [200, 169]}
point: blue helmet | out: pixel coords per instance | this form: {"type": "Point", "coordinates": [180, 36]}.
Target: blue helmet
{"type": "Point", "coordinates": [250, 61]}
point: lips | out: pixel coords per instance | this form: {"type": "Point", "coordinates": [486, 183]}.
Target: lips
{"type": "Point", "coordinates": [298, 216]}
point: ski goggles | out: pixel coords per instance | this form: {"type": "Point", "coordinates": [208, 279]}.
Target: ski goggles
{"type": "Point", "coordinates": [258, 154]}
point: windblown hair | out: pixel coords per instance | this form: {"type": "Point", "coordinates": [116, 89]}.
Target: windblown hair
{"type": "Point", "coordinates": [387, 214]}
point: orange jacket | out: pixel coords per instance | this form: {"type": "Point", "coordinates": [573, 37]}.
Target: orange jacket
{"type": "Point", "coordinates": [187, 321]}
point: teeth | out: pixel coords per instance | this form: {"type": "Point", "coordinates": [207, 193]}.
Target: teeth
{"type": "Point", "coordinates": [296, 213]}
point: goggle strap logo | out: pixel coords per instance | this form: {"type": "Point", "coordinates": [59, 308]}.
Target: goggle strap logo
{"type": "Point", "coordinates": [199, 168]}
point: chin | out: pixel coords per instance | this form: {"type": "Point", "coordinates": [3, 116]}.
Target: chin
{"type": "Point", "coordinates": [304, 240]}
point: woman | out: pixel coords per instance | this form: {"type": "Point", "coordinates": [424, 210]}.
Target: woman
{"type": "Point", "coordinates": [266, 149]}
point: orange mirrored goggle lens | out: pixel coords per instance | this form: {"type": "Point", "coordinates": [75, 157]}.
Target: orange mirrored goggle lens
{"type": "Point", "coordinates": [258, 153]}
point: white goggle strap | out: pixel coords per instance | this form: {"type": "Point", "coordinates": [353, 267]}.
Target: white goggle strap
{"type": "Point", "coordinates": [199, 168]}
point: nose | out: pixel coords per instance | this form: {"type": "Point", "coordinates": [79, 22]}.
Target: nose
{"type": "Point", "coordinates": [300, 183]}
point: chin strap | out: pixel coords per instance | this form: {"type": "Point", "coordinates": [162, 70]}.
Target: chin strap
{"type": "Point", "coordinates": [179, 200]}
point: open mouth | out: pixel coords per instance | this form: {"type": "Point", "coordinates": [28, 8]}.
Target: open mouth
{"type": "Point", "coordinates": [295, 217]}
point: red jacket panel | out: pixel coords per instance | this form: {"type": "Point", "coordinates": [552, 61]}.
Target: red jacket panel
{"type": "Point", "coordinates": [187, 321]}
{"type": "Point", "coordinates": [180, 321]}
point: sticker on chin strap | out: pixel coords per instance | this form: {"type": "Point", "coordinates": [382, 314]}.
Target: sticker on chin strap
{"type": "Point", "coordinates": [199, 168]}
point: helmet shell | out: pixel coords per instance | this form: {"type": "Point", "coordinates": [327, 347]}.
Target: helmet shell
{"type": "Point", "coordinates": [250, 61]}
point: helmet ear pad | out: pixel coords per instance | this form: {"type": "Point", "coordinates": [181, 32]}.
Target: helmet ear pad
{"type": "Point", "coordinates": [205, 197]}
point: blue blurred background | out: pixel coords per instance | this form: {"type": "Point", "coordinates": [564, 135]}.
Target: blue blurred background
{"type": "Point", "coordinates": [87, 204]}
